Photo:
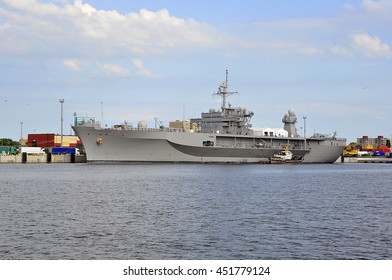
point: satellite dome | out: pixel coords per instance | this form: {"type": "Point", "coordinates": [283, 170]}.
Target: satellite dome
{"type": "Point", "coordinates": [142, 125]}
{"type": "Point", "coordinates": [291, 112]}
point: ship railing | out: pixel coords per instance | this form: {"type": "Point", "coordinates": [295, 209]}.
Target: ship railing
{"type": "Point", "coordinates": [146, 129]}
{"type": "Point", "coordinates": [131, 128]}
{"type": "Point", "coordinates": [326, 136]}
{"type": "Point", "coordinates": [166, 129]}
{"type": "Point", "coordinates": [87, 121]}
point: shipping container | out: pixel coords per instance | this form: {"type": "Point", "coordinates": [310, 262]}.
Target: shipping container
{"type": "Point", "coordinates": [68, 141]}
{"type": "Point", "coordinates": [8, 150]}
{"type": "Point", "coordinates": [48, 140]}
{"type": "Point", "coordinates": [32, 150]}
{"type": "Point", "coordinates": [384, 149]}
{"type": "Point", "coordinates": [41, 140]}
{"type": "Point", "coordinates": [64, 150]}
{"type": "Point", "coordinates": [378, 154]}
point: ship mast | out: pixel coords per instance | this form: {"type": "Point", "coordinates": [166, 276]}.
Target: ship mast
{"type": "Point", "coordinates": [223, 91]}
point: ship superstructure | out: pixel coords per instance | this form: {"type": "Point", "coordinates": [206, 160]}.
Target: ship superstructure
{"type": "Point", "coordinates": [227, 120]}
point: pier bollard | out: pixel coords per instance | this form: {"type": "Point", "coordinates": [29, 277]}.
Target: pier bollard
{"type": "Point", "coordinates": [24, 157]}
{"type": "Point", "coordinates": [72, 158]}
{"type": "Point", "coordinates": [49, 157]}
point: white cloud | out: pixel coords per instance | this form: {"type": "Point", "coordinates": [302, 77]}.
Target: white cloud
{"type": "Point", "coordinates": [114, 70]}
{"type": "Point", "coordinates": [85, 8]}
{"type": "Point", "coordinates": [72, 64]}
{"type": "Point", "coordinates": [33, 6]}
{"type": "Point", "coordinates": [371, 45]}
{"type": "Point", "coordinates": [79, 27]}
{"type": "Point", "coordinates": [76, 29]}
{"type": "Point", "coordinates": [381, 6]}
{"type": "Point", "coordinates": [4, 27]}
{"type": "Point", "coordinates": [142, 71]}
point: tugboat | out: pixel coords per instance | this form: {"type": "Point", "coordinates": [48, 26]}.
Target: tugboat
{"type": "Point", "coordinates": [286, 156]}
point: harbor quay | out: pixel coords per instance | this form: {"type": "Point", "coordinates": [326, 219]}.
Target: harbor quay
{"type": "Point", "coordinates": [71, 158]}
{"type": "Point", "coordinates": [42, 158]}
{"type": "Point", "coordinates": [372, 159]}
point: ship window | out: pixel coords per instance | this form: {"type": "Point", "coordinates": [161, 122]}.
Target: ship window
{"type": "Point", "coordinates": [208, 143]}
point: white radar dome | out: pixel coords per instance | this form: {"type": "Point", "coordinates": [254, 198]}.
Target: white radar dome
{"type": "Point", "coordinates": [291, 112]}
{"type": "Point", "coordinates": [142, 125]}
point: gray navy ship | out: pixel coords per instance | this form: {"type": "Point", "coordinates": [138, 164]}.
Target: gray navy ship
{"type": "Point", "coordinates": [218, 136]}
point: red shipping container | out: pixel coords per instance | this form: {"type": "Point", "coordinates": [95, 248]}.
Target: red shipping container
{"type": "Point", "coordinates": [41, 140]}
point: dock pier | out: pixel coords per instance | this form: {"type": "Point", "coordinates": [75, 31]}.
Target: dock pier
{"type": "Point", "coordinates": [42, 158]}
{"type": "Point", "coordinates": [366, 160]}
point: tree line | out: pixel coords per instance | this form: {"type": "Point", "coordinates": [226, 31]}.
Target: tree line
{"type": "Point", "coordinates": [8, 142]}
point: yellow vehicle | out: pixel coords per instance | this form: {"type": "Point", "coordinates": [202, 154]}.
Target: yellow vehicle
{"type": "Point", "coordinates": [350, 151]}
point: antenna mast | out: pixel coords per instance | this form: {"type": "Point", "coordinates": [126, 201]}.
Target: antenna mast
{"type": "Point", "coordinates": [223, 92]}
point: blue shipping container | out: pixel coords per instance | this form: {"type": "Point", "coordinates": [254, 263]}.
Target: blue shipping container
{"type": "Point", "coordinates": [63, 150]}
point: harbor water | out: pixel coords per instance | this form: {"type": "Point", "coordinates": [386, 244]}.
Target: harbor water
{"type": "Point", "coordinates": [195, 211]}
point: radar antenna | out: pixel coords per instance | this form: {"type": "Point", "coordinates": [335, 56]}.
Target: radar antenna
{"type": "Point", "coordinates": [223, 92]}
{"type": "Point", "coordinates": [158, 122]}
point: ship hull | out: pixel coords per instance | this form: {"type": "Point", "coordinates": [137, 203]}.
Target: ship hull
{"type": "Point", "coordinates": [156, 145]}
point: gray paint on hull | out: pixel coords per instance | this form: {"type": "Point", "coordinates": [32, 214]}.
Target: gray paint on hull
{"type": "Point", "coordinates": [161, 146]}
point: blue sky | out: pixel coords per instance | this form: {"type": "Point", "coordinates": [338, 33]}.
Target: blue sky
{"type": "Point", "coordinates": [329, 60]}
